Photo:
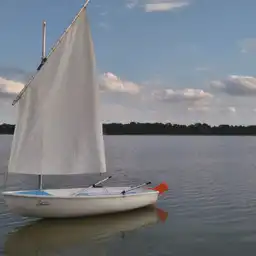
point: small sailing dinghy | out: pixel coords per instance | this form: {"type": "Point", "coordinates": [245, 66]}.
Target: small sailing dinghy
{"type": "Point", "coordinates": [58, 132]}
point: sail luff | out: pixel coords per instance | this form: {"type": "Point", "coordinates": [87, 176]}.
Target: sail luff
{"type": "Point", "coordinates": [50, 53]}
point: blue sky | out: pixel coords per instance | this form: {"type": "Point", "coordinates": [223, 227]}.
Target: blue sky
{"type": "Point", "coordinates": [192, 60]}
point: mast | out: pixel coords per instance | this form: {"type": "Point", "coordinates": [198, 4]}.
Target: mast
{"type": "Point", "coordinates": [43, 60]}
{"type": "Point", "coordinates": [43, 40]}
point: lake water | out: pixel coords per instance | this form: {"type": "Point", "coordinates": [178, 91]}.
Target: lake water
{"type": "Point", "coordinates": [211, 202]}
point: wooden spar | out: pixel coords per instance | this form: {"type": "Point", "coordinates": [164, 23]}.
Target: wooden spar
{"type": "Point", "coordinates": [52, 50]}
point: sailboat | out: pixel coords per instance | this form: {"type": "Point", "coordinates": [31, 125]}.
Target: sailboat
{"type": "Point", "coordinates": [58, 132]}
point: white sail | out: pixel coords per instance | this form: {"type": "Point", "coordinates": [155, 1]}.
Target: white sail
{"type": "Point", "coordinates": [58, 130]}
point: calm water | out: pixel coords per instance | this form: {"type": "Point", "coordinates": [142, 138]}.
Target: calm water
{"type": "Point", "coordinates": [211, 203]}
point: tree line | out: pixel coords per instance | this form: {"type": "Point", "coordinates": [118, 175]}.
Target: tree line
{"type": "Point", "coordinates": [134, 128]}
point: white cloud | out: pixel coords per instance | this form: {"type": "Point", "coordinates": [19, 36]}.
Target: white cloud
{"type": "Point", "coordinates": [9, 88]}
{"type": "Point", "coordinates": [232, 109]}
{"type": "Point", "coordinates": [186, 95]}
{"type": "Point", "coordinates": [157, 5]}
{"type": "Point", "coordinates": [110, 82]}
{"type": "Point", "coordinates": [8, 91]}
{"type": "Point", "coordinates": [185, 105]}
{"type": "Point", "coordinates": [165, 6]}
{"type": "Point", "coordinates": [236, 85]}
{"type": "Point", "coordinates": [247, 45]}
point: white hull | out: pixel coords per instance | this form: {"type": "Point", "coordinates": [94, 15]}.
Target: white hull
{"type": "Point", "coordinates": [62, 203]}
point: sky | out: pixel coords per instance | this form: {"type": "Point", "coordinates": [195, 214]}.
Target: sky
{"type": "Point", "coordinates": [178, 61]}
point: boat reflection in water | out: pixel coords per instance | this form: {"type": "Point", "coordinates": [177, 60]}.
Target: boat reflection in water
{"type": "Point", "coordinates": [47, 236]}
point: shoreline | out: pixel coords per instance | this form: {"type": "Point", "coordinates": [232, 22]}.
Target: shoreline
{"type": "Point", "coordinates": [161, 129]}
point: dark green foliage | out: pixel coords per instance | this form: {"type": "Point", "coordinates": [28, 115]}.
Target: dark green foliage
{"type": "Point", "coordinates": [163, 129]}
{"type": "Point", "coordinates": [7, 129]}
{"type": "Point", "coordinates": [176, 129]}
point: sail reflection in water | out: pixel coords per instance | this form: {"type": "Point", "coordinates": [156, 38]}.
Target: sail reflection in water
{"type": "Point", "coordinates": [47, 236]}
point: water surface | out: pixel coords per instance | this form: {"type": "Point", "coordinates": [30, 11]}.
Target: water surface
{"type": "Point", "coordinates": [211, 203]}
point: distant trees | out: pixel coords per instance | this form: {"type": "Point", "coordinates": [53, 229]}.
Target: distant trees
{"type": "Point", "coordinates": [163, 129]}
{"type": "Point", "coordinates": [7, 129]}
{"type": "Point", "coordinates": [176, 129]}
